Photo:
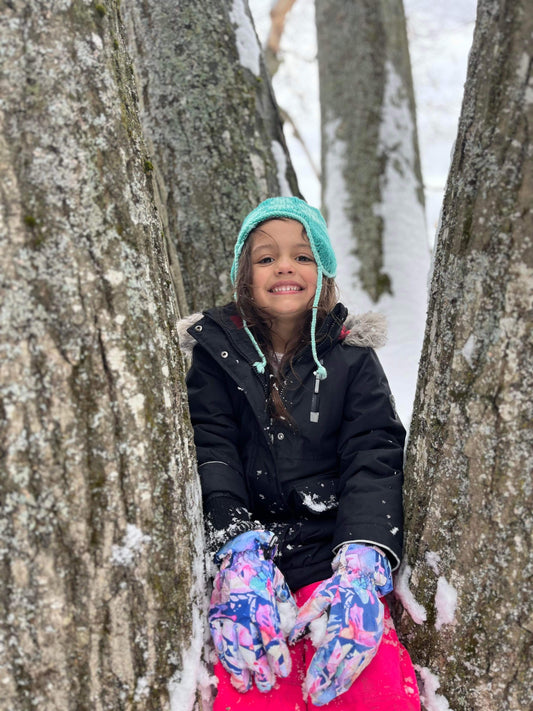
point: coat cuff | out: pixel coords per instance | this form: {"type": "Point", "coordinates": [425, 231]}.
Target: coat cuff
{"type": "Point", "coordinates": [390, 554]}
{"type": "Point", "coordinates": [225, 518]}
{"type": "Point", "coordinates": [220, 478]}
{"type": "Point", "coordinates": [388, 541]}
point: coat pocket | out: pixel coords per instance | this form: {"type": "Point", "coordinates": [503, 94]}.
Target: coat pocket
{"type": "Point", "coordinates": [315, 495]}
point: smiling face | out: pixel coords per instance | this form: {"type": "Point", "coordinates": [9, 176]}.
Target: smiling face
{"type": "Point", "coordinates": [284, 271]}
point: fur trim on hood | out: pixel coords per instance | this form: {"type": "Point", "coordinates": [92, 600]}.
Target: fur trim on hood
{"type": "Point", "coordinates": [187, 342]}
{"type": "Point", "coordinates": [367, 330]}
{"type": "Point", "coordinates": [364, 330]}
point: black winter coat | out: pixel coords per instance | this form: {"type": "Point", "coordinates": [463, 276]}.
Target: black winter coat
{"type": "Point", "coordinates": [316, 486]}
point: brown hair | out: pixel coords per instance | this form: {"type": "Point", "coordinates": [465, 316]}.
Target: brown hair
{"type": "Point", "coordinates": [260, 324]}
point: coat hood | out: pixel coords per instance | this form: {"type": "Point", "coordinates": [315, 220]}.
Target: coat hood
{"type": "Point", "coordinates": [368, 330]}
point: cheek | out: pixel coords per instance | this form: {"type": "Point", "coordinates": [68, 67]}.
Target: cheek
{"type": "Point", "coordinates": [313, 279]}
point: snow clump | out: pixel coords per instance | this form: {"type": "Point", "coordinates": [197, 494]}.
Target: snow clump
{"type": "Point", "coordinates": [403, 593]}
{"type": "Point", "coordinates": [445, 603]}
{"type": "Point", "coordinates": [430, 699]}
{"type": "Point", "coordinates": [133, 542]}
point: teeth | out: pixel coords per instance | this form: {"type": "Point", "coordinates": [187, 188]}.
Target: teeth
{"type": "Point", "coordinates": [282, 289]}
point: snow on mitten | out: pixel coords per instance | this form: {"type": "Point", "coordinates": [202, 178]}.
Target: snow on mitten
{"type": "Point", "coordinates": [244, 616]}
{"type": "Point", "coordinates": [350, 598]}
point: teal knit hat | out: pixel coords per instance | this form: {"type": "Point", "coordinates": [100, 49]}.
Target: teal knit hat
{"type": "Point", "coordinates": [317, 233]}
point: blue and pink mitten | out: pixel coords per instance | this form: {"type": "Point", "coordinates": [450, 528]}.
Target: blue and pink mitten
{"type": "Point", "coordinates": [351, 600]}
{"type": "Point", "coordinates": [248, 595]}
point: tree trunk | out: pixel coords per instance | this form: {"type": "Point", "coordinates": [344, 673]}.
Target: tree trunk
{"type": "Point", "coordinates": [216, 138]}
{"type": "Point", "coordinates": [371, 180]}
{"type": "Point", "coordinates": [101, 584]}
{"type": "Point", "coordinates": [469, 465]}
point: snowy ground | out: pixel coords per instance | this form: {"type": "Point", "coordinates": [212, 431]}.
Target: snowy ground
{"type": "Point", "coordinates": [440, 37]}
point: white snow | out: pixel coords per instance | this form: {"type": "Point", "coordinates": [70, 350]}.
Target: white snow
{"type": "Point", "coordinates": [281, 162]}
{"type": "Point", "coordinates": [142, 689]}
{"type": "Point", "coordinates": [402, 591]}
{"type": "Point", "coordinates": [336, 198]}
{"type": "Point", "coordinates": [97, 40]}
{"type": "Point", "coordinates": [133, 542]}
{"type": "Point", "coordinates": [296, 88]}
{"type": "Point", "coordinates": [406, 257]}
{"type": "Point", "coordinates": [247, 43]}
{"type": "Point", "coordinates": [440, 36]}
{"type": "Point", "coordinates": [433, 560]}
{"type": "Point", "coordinates": [114, 277]}
{"type": "Point", "coordinates": [193, 676]}
{"type": "Point", "coordinates": [468, 349]}
{"type": "Point", "coordinates": [431, 701]}
{"type": "Point", "coordinates": [314, 503]}
{"type": "Point", "coordinates": [318, 629]}
{"type": "Point", "coordinates": [445, 603]}
{"type": "Point", "coordinates": [287, 615]}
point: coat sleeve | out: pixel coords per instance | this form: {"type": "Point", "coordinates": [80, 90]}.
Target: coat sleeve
{"type": "Point", "coordinates": [216, 436]}
{"type": "Point", "coordinates": [371, 441]}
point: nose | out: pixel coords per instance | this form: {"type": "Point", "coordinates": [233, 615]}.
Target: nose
{"type": "Point", "coordinates": [284, 266]}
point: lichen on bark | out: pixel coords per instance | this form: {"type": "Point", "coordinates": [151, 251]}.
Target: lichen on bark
{"type": "Point", "coordinates": [469, 472]}
{"type": "Point", "coordinates": [211, 122]}
{"type": "Point", "coordinates": [100, 522]}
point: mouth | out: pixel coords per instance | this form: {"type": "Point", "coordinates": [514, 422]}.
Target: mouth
{"type": "Point", "coordinates": [285, 289]}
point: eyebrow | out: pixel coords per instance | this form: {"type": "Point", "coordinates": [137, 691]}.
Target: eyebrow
{"type": "Point", "coordinates": [300, 245]}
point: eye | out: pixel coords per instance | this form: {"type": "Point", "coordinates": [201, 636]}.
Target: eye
{"type": "Point", "coordinates": [304, 258]}
{"type": "Point", "coordinates": [265, 260]}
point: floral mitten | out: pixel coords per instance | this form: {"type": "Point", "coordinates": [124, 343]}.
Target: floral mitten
{"type": "Point", "coordinates": [350, 598]}
{"type": "Point", "coordinates": [249, 601]}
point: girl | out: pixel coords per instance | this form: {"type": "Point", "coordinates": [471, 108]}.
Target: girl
{"type": "Point", "coordinates": [300, 458]}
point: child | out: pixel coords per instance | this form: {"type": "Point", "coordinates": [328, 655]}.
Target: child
{"type": "Point", "coordinates": [300, 458]}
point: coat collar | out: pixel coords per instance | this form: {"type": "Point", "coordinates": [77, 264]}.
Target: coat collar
{"type": "Point", "coordinates": [367, 330]}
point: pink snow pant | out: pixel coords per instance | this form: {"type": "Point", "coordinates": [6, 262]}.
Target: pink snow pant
{"type": "Point", "coordinates": [387, 684]}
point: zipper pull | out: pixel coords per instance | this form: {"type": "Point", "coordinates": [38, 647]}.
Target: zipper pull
{"type": "Point", "coordinates": [315, 402]}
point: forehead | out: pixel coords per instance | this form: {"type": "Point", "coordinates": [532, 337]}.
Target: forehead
{"type": "Point", "coordinates": [279, 232]}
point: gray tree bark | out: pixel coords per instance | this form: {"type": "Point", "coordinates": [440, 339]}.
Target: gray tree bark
{"type": "Point", "coordinates": [359, 45]}
{"type": "Point", "coordinates": [215, 136]}
{"type": "Point", "coordinates": [101, 578]}
{"type": "Point", "coordinates": [469, 465]}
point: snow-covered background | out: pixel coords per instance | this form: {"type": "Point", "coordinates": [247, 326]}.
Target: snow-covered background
{"type": "Point", "coordinates": [440, 36]}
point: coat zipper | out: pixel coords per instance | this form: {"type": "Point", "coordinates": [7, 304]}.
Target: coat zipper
{"type": "Point", "coordinates": [315, 401]}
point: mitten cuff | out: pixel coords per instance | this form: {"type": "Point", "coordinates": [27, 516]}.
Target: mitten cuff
{"type": "Point", "coordinates": [258, 540]}
{"type": "Point", "coordinates": [365, 562]}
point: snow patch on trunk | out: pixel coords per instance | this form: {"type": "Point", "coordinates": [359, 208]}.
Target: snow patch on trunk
{"type": "Point", "coordinates": [336, 200]}
{"type": "Point", "coordinates": [402, 591]}
{"type": "Point", "coordinates": [445, 603]}
{"type": "Point", "coordinates": [431, 701]}
{"type": "Point", "coordinates": [433, 560]}
{"type": "Point", "coordinates": [193, 678]}
{"type": "Point", "coordinates": [133, 543]}
{"type": "Point", "coordinates": [245, 37]}
{"type": "Point", "coordinates": [281, 163]}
